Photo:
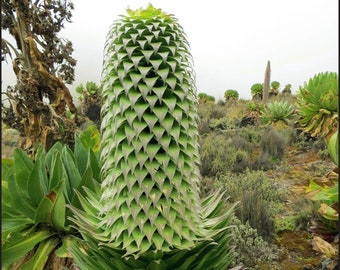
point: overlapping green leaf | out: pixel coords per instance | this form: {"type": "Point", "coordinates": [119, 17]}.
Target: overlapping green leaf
{"type": "Point", "coordinates": [34, 214]}
{"type": "Point", "coordinates": [318, 104]}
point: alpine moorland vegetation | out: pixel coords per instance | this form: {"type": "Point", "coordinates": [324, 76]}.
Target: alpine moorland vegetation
{"type": "Point", "coordinates": [175, 180]}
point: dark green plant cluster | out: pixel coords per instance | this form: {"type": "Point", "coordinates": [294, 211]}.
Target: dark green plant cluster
{"type": "Point", "coordinates": [254, 106]}
{"type": "Point", "coordinates": [205, 98]}
{"type": "Point", "coordinates": [231, 94]}
{"type": "Point", "coordinates": [274, 89]}
{"type": "Point", "coordinates": [256, 91]}
{"type": "Point", "coordinates": [305, 142]}
{"type": "Point", "coordinates": [223, 123]}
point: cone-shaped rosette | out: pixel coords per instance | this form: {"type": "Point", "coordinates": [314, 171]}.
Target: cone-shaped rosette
{"type": "Point", "coordinates": [150, 159]}
{"type": "Point", "coordinates": [148, 214]}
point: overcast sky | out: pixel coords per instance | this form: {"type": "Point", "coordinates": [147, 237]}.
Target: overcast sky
{"type": "Point", "coordinates": [231, 41]}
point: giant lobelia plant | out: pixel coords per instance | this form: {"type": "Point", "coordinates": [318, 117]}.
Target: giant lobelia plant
{"type": "Point", "coordinates": [148, 214]}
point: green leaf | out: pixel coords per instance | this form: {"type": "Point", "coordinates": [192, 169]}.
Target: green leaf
{"type": "Point", "coordinates": [23, 166]}
{"type": "Point", "coordinates": [19, 201]}
{"type": "Point", "coordinates": [57, 147]}
{"type": "Point", "coordinates": [13, 223]}
{"type": "Point", "coordinates": [51, 209]}
{"type": "Point", "coordinates": [328, 212]}
{"type": "Point", "coordinates": [18, 245]}
{"type": "Point", "coordinates": [333, 148]}
{"type": "Point", "coordinates": [57, 170]}
{"type": "Point", "coordinates": [63, 251]}
{"type": "Point", "coordinates": [160, 112]}
{"type": "Point", "coordinates": [150, 119]}
{"type": "Point", "coordinates": [37, 182]}
{"type": "Point", "coordinates": [171, 81]}
{"type": "Point", "coordinates": [86, 181]}
{"type": "Point", "coordinates": [41, 255]}
{"type": "Point", "coordinates": [313, 186]}
{"type": "Point", "coordinates": [59, 208]}
{"type": "Point", "coordinates": [73, 174]}
{"type": "Point", "coordinates": [93, 163]}
{"type": "Point", "coordinates": [44, 210]}
{"type": "Point", "coordinates": [6, 166]}
{"type": "Point", "coordinates": [81, 155]}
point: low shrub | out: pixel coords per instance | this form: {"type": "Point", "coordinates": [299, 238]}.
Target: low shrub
{"type": "Point", "coordinates": [263, 163]}
{"type": "Point", "coordinates": [298, 219]}
{"type": "Point", "coordinates": [251, 134]}
{"type": "Point", "coordinates": [251, 249]}
{"type": "Point", "coordinates": [218, 155]}
{"type": "Point", "coordinates": [273, 143]}
{"type": "Point", "coordinates": [260, 199]}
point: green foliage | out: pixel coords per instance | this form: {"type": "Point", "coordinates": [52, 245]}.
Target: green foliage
{"type": "Point", "coordinates": [91, 88]}
{"type": "Point", "coordinates": [328, 197]}
{"type": "Point", "coordinates": [232, 150]}
{"type": "Point", "coordinates": [317, 104]}
{"type": "Point", "coordinates": [148, 13]}
{"type": "Point", "coordinates": [298, 218]}
{"type": "Point", "coordinates": [208, 111]}
{"type": "Point", "coordinates": [34, 217]}
{"type": "Point", "coordinates": [203, 97]}
{"type": "Point", "coordinates": [287, 89]}
{"type": "Point", "coordinates": [251, 134]}
{"type": "Point", "coordinates": [231, 94]}
{"type": "Point", "coordinates": [211, 98]}
{"type": "Point", "coordinates": [275, 85]}
{"type": "Point", "coordinates": [222, 123]}
{"type": "Point", "coordinates": [219, 155]}
{"type": "Point", "coordinates": [277, 111]}
{"type": "Point", "coordinates": [90, 102]}
{"type": "Point", "coordinates": [256, 89]}
{"type": "Point", "coordinates": [287, 223]}
{"type": "Point", "coordinates": [254, 106]}
{"type": "Point", "coordinates": [274, 90]}
{"type": "Point", "coordinates": [90, 137]}
{"type": "Point", "coordinates": [148, 214]}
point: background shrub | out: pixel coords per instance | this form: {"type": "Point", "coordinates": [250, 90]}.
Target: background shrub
{"type": "Point", "coordinates": [260, 199]}
{"type": "Point", "coordinates": [273, 143]}
{"type": "Point", "coordinates": [251, 249]}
